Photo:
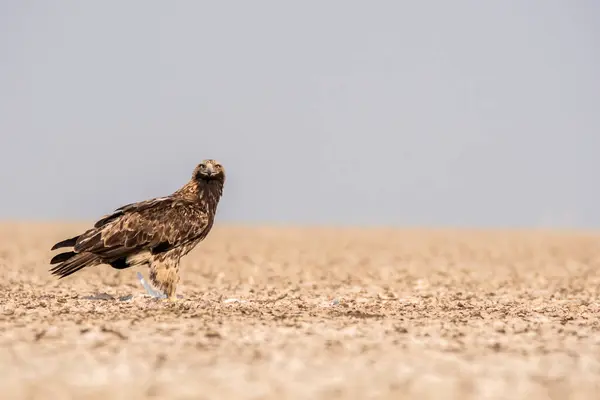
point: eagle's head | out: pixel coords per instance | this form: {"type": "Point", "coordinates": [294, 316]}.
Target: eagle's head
{"type": "Point", "coordinates": [209, 170]}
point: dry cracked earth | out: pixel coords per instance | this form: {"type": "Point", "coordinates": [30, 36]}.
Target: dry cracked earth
{"type": "Point", "coordinates": [310, 313]}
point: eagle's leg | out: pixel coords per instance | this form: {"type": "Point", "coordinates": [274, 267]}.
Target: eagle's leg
{"type": "Point", "coordinates": [164, 274]}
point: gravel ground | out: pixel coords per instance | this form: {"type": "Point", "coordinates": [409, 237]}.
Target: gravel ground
{"type": "Point", "coordinates": [310, 313]}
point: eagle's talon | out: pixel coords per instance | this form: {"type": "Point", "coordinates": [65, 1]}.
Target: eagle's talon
{"type": "Point", "coordinates": [170, 300]}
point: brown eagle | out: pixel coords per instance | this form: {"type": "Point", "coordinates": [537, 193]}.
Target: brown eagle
{"type": "Point", "coordinates": [155, 232]}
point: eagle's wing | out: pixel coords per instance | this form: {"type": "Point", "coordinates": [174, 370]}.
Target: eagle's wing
{"type": "Point", "coordinates": [139, 206]}
{"type": "Point", "coordinates": [157, 225]}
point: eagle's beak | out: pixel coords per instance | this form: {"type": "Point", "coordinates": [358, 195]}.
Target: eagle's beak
{"type": "Point", "coordinates": [210, 170]}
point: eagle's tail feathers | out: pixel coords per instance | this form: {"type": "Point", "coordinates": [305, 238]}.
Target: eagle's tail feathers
{"type": "Point", "coordinates": [62, 257]}
{"type": "Point", "coordinates": [74, 264]}
{"type": "Point", "coordinates": [66, 243]}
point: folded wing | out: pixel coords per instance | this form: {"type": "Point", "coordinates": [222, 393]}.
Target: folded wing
{"type": "Point", "coordinates": [154, 226]}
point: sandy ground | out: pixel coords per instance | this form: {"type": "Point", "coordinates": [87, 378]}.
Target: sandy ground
{"type": "Point", "coordinates": [320, 314]}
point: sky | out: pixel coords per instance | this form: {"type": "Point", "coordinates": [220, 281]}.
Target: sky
{"type": "Point", "coordinates": [396, 113]}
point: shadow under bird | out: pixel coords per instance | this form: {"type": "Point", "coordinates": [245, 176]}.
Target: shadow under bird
{"type": "Point", "coordinates": [155, 232]}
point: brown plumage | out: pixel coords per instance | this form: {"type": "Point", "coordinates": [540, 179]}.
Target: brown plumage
{"type": "Point", "coordinates": [155, 232]}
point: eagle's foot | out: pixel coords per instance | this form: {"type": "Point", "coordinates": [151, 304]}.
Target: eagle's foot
{"type": "Point", "coordinates": [172, 299]}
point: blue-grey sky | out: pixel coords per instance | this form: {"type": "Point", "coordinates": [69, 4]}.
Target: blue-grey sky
{"type": "Point", "coordinates": [430, 113]}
